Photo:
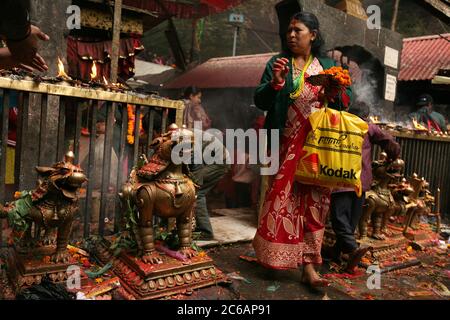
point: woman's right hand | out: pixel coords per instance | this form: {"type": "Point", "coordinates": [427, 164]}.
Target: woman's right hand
{"type": "Point", "coordinates": [280, 70]}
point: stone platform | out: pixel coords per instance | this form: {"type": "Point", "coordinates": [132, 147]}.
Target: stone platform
{"type": "Point", "coordinates": [144, 281]}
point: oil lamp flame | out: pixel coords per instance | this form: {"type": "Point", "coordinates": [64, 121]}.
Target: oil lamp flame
{"type": "Point", "coordinates": [93, 71]}
{"type": "Point", "coordinates": [61, 72]}
{"type": "Point", "coordinates": [417, 125]}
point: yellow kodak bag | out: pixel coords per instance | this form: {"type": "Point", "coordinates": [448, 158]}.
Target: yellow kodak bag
{"type": "Point", "coordinates": [331, 156]}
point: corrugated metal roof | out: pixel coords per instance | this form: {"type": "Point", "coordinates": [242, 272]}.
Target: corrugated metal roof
{"type": "Point", "coordinates": [423, 57]}
{"type": "Point", "coordinates": [227, 72]}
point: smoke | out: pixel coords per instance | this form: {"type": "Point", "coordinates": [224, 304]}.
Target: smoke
{"type": "Point", "coordinates": [366, 90]}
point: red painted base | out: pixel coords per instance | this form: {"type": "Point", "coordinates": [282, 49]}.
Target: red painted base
{"type": "Point", "coordinates": [145, 281]}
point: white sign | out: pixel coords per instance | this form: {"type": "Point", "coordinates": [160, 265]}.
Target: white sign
{"type": "Point", "coordinates": [391, 57]}
{"type": "Point", "coordinates": [391, 88]}
{"type": "Point", "coordinates": [236, 18]}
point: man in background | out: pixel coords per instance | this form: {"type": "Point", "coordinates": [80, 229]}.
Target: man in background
{"type": "Point", "coordinates": [432, 120]}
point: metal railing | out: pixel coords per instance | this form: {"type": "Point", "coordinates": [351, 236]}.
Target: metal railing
{"type": "Point", "coordinates": [47, 111]}
{"type": "Point", "coordinates": [429, 157]}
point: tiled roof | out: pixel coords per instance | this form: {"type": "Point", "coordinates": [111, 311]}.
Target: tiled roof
{"type": "Point", "coordinates": [228, 72]}
{"type": "Point", "coordinates": [423, 57]}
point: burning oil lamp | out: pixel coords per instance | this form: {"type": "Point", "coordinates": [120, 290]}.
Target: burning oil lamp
{"type": "Point", "coordinates": [61, 72]}
{"type": "Point", "coordinates": [93, 71]}
{"type": "Point", "coordinates": [418, 126]}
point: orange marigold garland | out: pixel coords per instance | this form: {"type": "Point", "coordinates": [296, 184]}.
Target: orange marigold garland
{"type": "Point", "coordinates": [131, 123]}
{"type": "Point", "coordinates": [335, 81]}
{"type": "Point", "coordinates": [342, 76]}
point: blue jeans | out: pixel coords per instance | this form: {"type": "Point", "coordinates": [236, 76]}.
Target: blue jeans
{"type": "Point", "coordinates": [346, 211]}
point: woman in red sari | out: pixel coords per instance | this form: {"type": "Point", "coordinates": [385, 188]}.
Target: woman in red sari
{"type": "Point", "coordinates": [292, 222]}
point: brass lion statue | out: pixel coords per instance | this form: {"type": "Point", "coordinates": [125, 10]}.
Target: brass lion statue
{"type": "Point", "coordinates": [422, 201]}
{"type": "Point", "coordinates": [379, 203]}
{"type": "Point", "coordinates": [52, 205]}
{"type": "Point", "coordinates": [162, 188]}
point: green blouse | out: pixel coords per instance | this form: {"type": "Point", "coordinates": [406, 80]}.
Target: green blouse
{"type": "Point", "coordinates": [276, 103]}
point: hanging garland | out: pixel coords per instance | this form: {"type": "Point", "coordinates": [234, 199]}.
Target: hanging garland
{"type": "Point", "coordinates": [131, 123]}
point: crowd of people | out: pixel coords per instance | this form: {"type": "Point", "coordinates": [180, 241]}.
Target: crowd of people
{"type": "Point", "coordinates": [289, 100]}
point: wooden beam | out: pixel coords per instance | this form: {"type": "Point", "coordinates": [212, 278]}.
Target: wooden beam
{"type": "Point", "coordinates": [441, 6]}
{"type": "Point", "coordinates": [395, 14]}
{"type": "Point", "coordinates": [116, 40]}
{"type": "Point", "coordinates": [127, 97]}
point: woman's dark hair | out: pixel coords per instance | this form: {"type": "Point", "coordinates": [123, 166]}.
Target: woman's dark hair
{"type": "Point", "coordinates": [311, 21]}
{"type": "Point", "coordinates": [191, 90]}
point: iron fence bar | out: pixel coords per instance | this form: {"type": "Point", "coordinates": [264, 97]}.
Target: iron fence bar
{"type": "Point", "coordinates": [121, 177]}
{"type": "Point", "coordinates": [43, 131]}
{"type": "Point", "coordinates": [433, 163]}
{"type": "Point", "coordinates": [107, 152]}
{"type": "Point", "coordinates": [61, 128]}
{"type": "Point", "coordinates": [91, 169]}
{"type": "Point", "coordinates": [412, 167]}
{"type": "Point", "coordinates": [21, 149]}
{"type": "Point", "coordinates": [445, 191]}
{"type": "Point", "coordinates": [3, 150]}
{"type": "Point", "coordinates": [151, 125]}
{"type": "Point", "coordinates": [78, 124]}
{"type": "Point", "coordinates": [4, 143]}
{"type": "Point", "coordinates": [165, 114]}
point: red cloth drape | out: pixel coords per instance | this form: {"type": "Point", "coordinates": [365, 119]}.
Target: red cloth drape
{"type": "Point", "coordinates": [221, 5]}
{"type": "Point", "coordinates": [183, 10]}
{"type": "Point", "coordinates": [81, 52]}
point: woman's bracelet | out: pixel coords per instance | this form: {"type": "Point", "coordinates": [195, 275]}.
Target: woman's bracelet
{"type": "Point", "coordinates": [277, 86]}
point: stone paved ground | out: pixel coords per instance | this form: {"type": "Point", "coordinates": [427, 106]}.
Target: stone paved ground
{"type": "Point", "coordinates": [254, 282]}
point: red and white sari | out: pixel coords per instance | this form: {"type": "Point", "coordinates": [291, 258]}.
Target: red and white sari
{"type": "Point", "coordinates": [293, 219]}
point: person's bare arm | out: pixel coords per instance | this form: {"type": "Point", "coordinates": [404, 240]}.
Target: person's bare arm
{"type": "Point", "coordinates": [21, 37]}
